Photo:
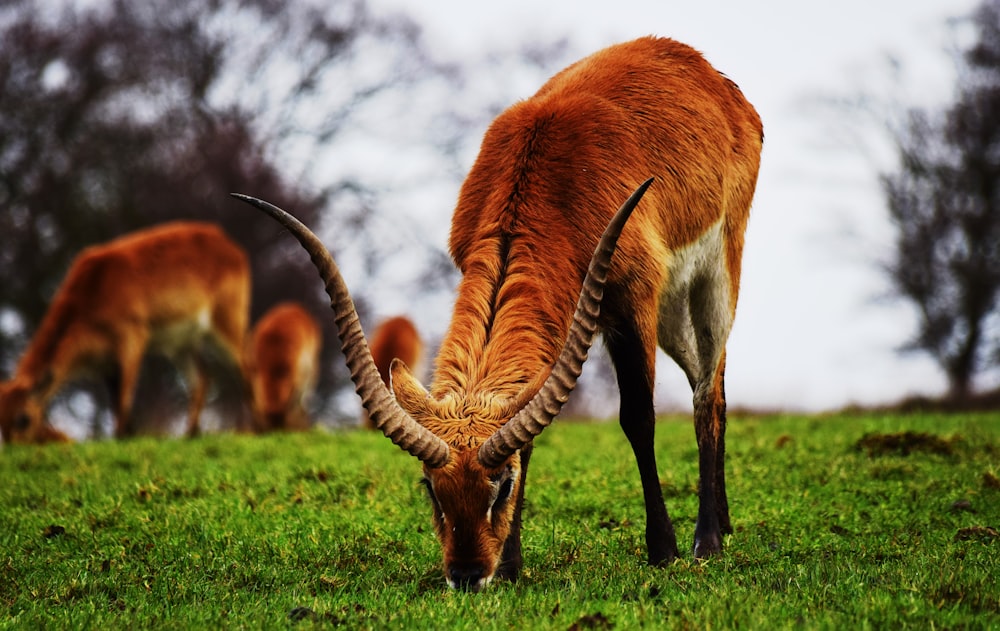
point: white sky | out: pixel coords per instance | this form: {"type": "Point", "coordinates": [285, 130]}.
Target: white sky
{"type": "Point", "coordinates": [809, 334]}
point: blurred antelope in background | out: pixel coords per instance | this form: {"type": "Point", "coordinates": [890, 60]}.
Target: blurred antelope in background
{"type": "Point", "coordinates": [181, 289]}
{"type": "Point", "coordinates": [281, 365]}
{"type": "Point", "coordinates": [550, 172]}
{"type": "Point", "coordinates": [394, 338]}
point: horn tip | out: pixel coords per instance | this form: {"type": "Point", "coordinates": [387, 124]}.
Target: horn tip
{"type": "Point", "coordinates": [244, 198]}
{"type": "Point", "coordinates": [253, 201]}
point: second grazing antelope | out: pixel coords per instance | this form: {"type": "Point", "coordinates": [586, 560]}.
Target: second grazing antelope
{"type": "Point", "coordinates": [530, 213]}
{"type": "Point", "coordinates": [179, 288]}
{"type": "Point", "coordinates": [394, 338]}
{"type": "Point", "coordinates": [281, 365]}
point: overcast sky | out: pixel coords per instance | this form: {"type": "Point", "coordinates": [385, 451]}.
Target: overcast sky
{"type": "Point", "coordinates": [811, 331]}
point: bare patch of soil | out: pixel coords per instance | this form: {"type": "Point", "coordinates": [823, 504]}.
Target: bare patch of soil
{"type": "Point", "coordinates": [906, 443]}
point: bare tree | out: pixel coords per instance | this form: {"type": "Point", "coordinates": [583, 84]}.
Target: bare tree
{"type": "Point", "coordinates": [944, 201]}
{"type": "Point", "coordinates": [121, 115]}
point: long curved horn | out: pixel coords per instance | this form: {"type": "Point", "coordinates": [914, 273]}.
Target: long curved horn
{"type": "Point", "coordinates": [385, 413]}
{"type": "Point", "coordinates": [538, 413]}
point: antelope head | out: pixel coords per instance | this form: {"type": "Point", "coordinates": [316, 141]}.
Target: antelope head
{"type": "Point", "coordinates": [15, 419]}
{"type": "Point", "coordinates": [22, 416]}
{"type": "Point", "coordinates": [471, 450]}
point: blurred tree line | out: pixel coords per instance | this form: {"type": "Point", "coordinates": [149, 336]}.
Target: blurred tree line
{"type": "Point", "coordinates": [117, 115]}
{"type": "Point", "coordinates": [944, 202]}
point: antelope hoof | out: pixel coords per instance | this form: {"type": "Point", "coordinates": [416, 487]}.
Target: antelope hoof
{"type": "Point", "coordinates": [708, 545]}
{"type": "Point", "coordinates": [663, 558]}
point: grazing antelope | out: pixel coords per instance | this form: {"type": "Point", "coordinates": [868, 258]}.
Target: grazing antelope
{"type": "Point", "coordinates": [176, 288]}
{"type": "Point", "coordinates": [528, 216]}
{"type": "Point", "coordinates": [394, 338]}
{"type": "Point", "coordinates": [281, 362]}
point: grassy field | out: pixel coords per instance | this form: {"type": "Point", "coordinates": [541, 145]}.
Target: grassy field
{"type": "Point", "coordinates": [857, 522]}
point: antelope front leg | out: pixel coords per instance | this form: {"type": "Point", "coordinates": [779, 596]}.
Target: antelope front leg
{"type": "Point", "coordinates": [122, 383]}
{"type": "Point", "coordinates": [634, 366]}
{"type": "Point", "coordinates": [197, 378]}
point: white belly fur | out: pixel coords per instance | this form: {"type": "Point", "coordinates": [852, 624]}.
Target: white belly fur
{"type": "Point", "coordinates": [694, 312]}
{"type": "Point", "coordinates": [183, 336]}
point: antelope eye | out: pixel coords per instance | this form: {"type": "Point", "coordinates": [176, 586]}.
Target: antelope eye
{"type": "Point", "coordinates": [424, 482]}
{"type": "Point", "coordinates": [504, 492]}
{"type": "Point", "coordinates": [430, 493]}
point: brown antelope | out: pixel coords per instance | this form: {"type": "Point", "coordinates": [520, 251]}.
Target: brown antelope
{"type": "Point", "coordinates": [281, 362]}
{"type": "Point", "coordinates": [174, 288]}
{"type": "Point", "coordinates": [528, 216]}
{"type": "Point", "coordinates": [396, 337]}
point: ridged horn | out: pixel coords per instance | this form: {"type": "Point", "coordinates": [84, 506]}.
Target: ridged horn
{"type": "Point", "coordinates": [538, 413]}
{"type": "Point", "coordinates": [383, 409]}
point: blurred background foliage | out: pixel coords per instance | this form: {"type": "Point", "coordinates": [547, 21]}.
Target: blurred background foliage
{"type": "Point", "coordinates": [118, 115]}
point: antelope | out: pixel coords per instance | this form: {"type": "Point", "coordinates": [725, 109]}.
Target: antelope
{"type": "Point", "coordinates": [396, 337]}
{"type": "Point", "coordinates": [282, 357]}
{"type": "Point", "coordinates": [177, 288]}
{"type": "Point", "coordinates": [528, 217]}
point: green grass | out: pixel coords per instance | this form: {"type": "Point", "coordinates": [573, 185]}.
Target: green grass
{"type": "Point", "coordinates": [325, 529]}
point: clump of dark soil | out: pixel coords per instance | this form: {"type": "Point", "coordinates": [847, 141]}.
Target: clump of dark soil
{"type": "Point", "coordinates": [906, 443]}
{"type": "Point", "coordinates": [984, 534]}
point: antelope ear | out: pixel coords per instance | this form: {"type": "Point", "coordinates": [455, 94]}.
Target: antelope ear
{"type": "Point", "coordinates": [410, 393]}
